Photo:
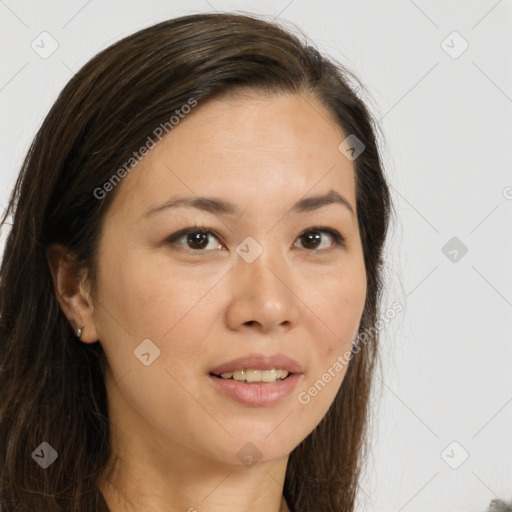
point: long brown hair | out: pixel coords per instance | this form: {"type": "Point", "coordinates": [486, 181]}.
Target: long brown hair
{"type": "Point", "coordinates": [53, 389]}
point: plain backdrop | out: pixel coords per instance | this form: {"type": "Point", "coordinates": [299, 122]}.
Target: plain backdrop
{"type": "Point", "coordinates": [439, 75]}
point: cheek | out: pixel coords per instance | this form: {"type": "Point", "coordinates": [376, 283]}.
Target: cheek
{"type": "Point", "coordinates": [338, 305]}
{"type": "Point", "coordinates": [142, 298]}
{"type": "Point", "coordinates": [348, 309]}
{"type": "Point", "coordinates": [339, 308]}
{"type": "Point", "coordinates": [146, 297]}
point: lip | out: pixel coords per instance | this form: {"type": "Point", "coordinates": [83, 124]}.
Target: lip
{"type": "Point", "coordinates": [260, 362]}
{"type": "Point", "coordinates": [256, 394]}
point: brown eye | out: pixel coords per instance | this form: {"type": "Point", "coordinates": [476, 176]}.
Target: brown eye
{"type": "Point", "coordinates": [195, 239]}
{"type": "Point", "coordinates": [312, 238]}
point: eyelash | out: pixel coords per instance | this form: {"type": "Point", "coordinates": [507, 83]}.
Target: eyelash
{"type": "Point", "coordinates": [338, 239]}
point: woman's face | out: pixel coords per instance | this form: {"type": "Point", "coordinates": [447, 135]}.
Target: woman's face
{"type": "Point", "coordinates": [269, 278]}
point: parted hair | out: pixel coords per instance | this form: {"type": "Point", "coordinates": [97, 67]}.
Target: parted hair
{"type": "Point", "coordinates": [52, 386]}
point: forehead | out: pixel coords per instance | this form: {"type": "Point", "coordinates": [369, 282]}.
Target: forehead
{"type": "Point", "coordinates": [246, 147]}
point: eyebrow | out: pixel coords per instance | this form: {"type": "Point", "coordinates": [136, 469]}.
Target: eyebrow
{"type": "Point", "coordinates": [218, 206]}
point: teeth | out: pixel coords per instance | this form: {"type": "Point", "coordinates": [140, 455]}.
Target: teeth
{"type": "Point", "coordinates": [251, 375]}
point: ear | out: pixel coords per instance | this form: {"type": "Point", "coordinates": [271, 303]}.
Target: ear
{"type": "Point", "coordinates": [72, 291]}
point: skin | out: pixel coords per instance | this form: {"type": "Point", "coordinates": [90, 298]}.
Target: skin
{"type": "Point", "coordinates": [176, 435]}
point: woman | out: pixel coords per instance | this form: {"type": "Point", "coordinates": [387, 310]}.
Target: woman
{"type": "Point", "coordinates": [191, 282]}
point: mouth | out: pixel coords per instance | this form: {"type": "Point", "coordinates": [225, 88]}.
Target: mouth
{"type": "Point", "coordinates": [255, 376]}
{"type": "Point", "coordinates": [255, 393]}
{"type": "Point", "coordinates": [260, 368]}
{"type": "Point", "coordinates": [257, 380]}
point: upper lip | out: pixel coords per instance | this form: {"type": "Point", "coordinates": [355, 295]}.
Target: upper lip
{"type": "Point", "coordinates": [259, 362]}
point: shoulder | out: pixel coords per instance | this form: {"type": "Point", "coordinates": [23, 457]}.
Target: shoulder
{"type": "Point", "coordinates": [499, 506]}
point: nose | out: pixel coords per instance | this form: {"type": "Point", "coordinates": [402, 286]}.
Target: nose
{"type": "Point", "coordinates": [262, 295]}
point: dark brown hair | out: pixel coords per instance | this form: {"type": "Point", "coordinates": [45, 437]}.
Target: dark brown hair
{"type": "Point", "coordinates": [53, 388]}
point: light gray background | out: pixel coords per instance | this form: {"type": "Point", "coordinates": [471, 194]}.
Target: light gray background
{"type": "Point", "coordinates": [448, 127]}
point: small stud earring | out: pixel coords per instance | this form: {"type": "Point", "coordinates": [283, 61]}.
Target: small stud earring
{"type": "Point", "coordinates": [79, 331]}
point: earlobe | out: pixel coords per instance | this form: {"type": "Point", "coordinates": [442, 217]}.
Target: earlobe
{"type": "Point", "coordinates": [75, 302]}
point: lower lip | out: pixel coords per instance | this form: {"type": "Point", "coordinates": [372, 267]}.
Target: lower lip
{"type": "Point", "coordinates": [256, 394]}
